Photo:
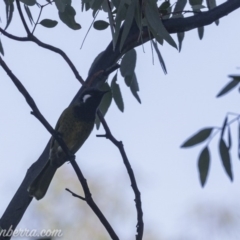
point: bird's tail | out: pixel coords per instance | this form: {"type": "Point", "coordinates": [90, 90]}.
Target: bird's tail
{"type": "Point", "coordinates": [40, 185]}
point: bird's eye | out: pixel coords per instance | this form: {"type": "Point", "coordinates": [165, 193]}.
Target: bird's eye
{"type": "Point", "coordinates": [85, 97]}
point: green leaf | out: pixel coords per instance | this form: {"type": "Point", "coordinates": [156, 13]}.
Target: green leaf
{"type": "Point", "coordinates": [128, 80]}
{"type": "Point", "coordinates": [163, 8]}
{"type": "Point", "coordinates": [238, 139]}
{"type": "Point", "coordinates": [120, 16]}
{"type": "Point", "coordinates": [203, 165]}
{"type": "Point", "coordinates": [197, 138]}
{"type": "Point", "coordinates": [180, 5]}
{"type": "Point", "coordinates": [229, 138]}
{"type": "Point", "coordinates": [9, 12]}
{"type": "Point", "coordinates": [195, 2]}
{"type": "Point", "coordinates": [105, 103]}
{"type": "Point", "coordinates": [115, 3]}
{"type": "Point", "coordinates": [117, 95]}
{"type": "Point", "coordinates": [225, 157]}
{"type": "Point", "coordinates": [224, 126]}
{"type": "Point", "coordinates": [28, 13]}
{"type": "Point", "coordinates": [100, 25]}
{"type": "Point", "coordinates": [155, 23]}
{"type": "Point", "coordinates": [96, 6]}
{"type": "Point", "coordinates": [128, 63]}
{"type": "Point", "coordinates": [29, 2]}
{"type": "Point", "coordinates": [105, 6]}
{"type": "Point", "coordinates": [180, 36]}
{"type": "Point", "coordinates": [200, 32]}
{"type": "Point", "coordinates": [232, 84]}
{"type": "Point", "coordinates": [160, 58]}
{"type": "Point", "coordinates": [128, 22]}
{"type": "Point", "coordinates": [1, 48]}
{"type": "Point", "coordinates": [62, 4]}
{"type": "Point", "coordinates": [212, 4]}
{"type": "Point", "coordinates": [67, 17]}
{"type": "Point", "coordinates": [48, 23]}
{"type": "Point", "coordinates": [135, 88]}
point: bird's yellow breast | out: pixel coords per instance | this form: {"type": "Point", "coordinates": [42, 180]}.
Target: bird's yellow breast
{"type": "Point", "coordinates": [72, 130]}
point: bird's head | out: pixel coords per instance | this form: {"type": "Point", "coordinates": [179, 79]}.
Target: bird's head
{"type": "Point", "coordinates": [91, 98]}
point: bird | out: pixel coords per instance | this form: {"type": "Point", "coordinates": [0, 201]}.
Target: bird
{"type": "Point", "coordinates": [74, 126]}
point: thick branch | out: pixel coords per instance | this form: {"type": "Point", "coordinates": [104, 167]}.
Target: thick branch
{"type": "Point", "coordinates": [172, 25]}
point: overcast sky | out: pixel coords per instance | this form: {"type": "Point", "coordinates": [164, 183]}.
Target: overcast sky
{"type": "Point", "coordinates": [174, 106]}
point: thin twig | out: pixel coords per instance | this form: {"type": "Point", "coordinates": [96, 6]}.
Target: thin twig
{"type": "Point", "coordinates": [75, 195]}
{"type": "Point", "coordinates": [88, 198]}
{"type": "Point", "coordinates": [39, 15]}
{"type": "Point", "coordinates": [32, 38]}
{"type": "Point", "coordinates": [89, 29]}
{"type": "Point", "coordinates": [119, 145]}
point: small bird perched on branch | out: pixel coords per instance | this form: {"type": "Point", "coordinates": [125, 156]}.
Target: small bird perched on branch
{"type": "Point", "coordinates": [74, 126]}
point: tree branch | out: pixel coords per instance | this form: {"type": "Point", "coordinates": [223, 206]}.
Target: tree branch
{"type": "Point", "coordinates": [32, 38]}
{"type": "Point", "coordinates": [119, 145]}
{"type": "Point", "coordinates": [91, 203]}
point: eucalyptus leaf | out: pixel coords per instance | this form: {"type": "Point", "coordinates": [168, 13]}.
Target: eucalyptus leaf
{"type": "Point", "coordinates": [155, 23]}
{"type": "Point", "coordinates": [61, 4]}
{"type": "Point", "coordinates": [28, 13]}
{"type": "Point", "coordinates": [160, 58]}
{"type": "Point", "coordinates": [48, 23]}
{"type": "Point", "coordinates": [229, 138]}
{"type": "Point", "coordinates": [120, 16]}
{"type": "Point", "coordinates": [105, 103]}
{"type": "Point", "coordinates": [225, 157]}
{"type": "Point", "coordinates": [238, 139]}
{"type": "Point", "coordinates": [203, 165]}
{"type": "Point", "coordinates": [128, 63]}
{"type": "Point", "coordinates": [195, 2]}
{"type": "Point", "coordinates": [1, 48]}
{"type": "Point", "coordinates": [232, 84]}
{"type": "Point", "coordinates": [200, 32]}
{"type": "Point", "coordinates": [179, 7]}
{"type": "Point", "coordinates": [96, 6]}
{"type": "Point", "coordinates": [100, 25]}
{"type": "Point", "coordinates": [128, 22]}
{"type": "Point", "coordinates": [180, 36]}
{"type": "Point", "coordinates": [135, 88]}
{"type": "Point", "coordinates": [224, 126]}
{"type": "Point", "coordinates": [9, 12]}
{"type": "Point", "coordinates": [197, 138]}
{"type": "Point", "coordinates": [128, 80]}
{"type": "Point", "coordinates": [68, 17]}
{"type": "Point", "coordinates": [116, 3]}
{"type": "Point", "coordinates": [212, 4]}
{"type": "Point", "coordinates": [29, 2]}
{"type": "Point", "coordinates": [163, 8]}
{"type": "Point", "coordinates": [117, 95]}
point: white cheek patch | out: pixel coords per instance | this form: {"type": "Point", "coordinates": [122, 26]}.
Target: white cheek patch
{"type": "Point", "coordinates": [85, 97]}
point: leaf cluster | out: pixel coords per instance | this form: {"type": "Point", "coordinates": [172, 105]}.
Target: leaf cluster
{"type": "Point", "coordinates": [127, 70]}
{"type": "Point", "coordinates": [225, 139]}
